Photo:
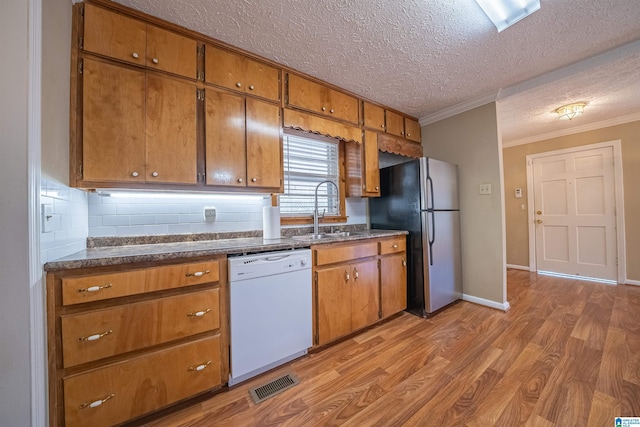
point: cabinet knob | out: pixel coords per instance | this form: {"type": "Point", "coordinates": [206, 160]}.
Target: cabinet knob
{"type": "Point", "coordinates": [324, 108]}
{"type": "Point", "coordinates": [404, 262]}
{"type": "Point", "coordinates": [155, 60]}
{"type": "Point", "coordinates": [377, 188]}
{"type": "Point", "coordinates": [382, 126]}
{"type": "Point", "coordinates": [408, 134]}
{"type": "Point", "coordinates": [402, 133]}
{"type": "Point", "coordinates": [134, 174]}
{"type": "Point", "coordinates": [355, 273]}
{"type": "Point", "coordinates": [346, 276]}
{"type": "Point", "coordinates": [251, 87]}
{"type": "Point", "coordinates": [240, 180]}
{"type": "Point", "coordinates": [394, 246]}
{"type": "Point", "coordinates": [254, 179]}
{"type": "Point", "coordinates": [238, 84]}
{"type": "Point", "coordinates": [135, 55]}
{"type": "Point", "coordinates": [154, 174]}
{"type": "Point", "coordinates": [539, 221]}
{"type": "Point", "coordinates": [332, 110]}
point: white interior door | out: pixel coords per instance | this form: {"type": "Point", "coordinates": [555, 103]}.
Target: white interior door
{"type": "Point", "coordinates": [574, 205]}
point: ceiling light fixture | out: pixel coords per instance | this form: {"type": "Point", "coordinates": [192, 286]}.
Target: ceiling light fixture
{"type": "Point", "coordinates": [568, 112]}
{"type": "Point", "coordinates": [504, 13]}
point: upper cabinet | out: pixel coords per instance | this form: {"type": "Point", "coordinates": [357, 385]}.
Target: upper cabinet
{"type": "Point", "coordinates": [237, 72]}
{"type": "Point", "coordinates": [136, 127]}
{"type": "Point", "coordinates": [316, 98]}
{"type": "Point", "coordinates": [380, 120]}
{"type": "Point", "coordinates": [126, 39]}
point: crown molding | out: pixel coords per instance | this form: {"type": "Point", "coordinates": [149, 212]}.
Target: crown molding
{"type": "Point", "coordinates": [577, 129]}
{"type": "Point", "coordinates": [459, 108]}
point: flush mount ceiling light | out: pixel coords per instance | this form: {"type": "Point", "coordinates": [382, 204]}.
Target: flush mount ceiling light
{"type": "Point", "coordinates": [504, 13]}
{"type": "Point", "coordinates": [568, 112]}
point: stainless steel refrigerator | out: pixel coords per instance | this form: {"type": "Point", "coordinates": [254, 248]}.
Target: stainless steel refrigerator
{"type": "Point", "coordinates": [421, 196]}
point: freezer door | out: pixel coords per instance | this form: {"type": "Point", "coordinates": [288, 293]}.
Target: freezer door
{"type": "Point", "coordinates": [442, 178]}
{"type": "Point", "coordinates": [442, 262]}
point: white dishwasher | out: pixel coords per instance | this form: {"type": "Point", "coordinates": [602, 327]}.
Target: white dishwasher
{"type": "Point", "coordinates": [270, 310]}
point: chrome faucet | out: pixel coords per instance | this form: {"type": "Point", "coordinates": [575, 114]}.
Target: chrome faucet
{"type": "Point", "coordinates": [315, 211]}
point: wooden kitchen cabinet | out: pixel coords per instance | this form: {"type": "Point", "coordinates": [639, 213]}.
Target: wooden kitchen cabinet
{"type": "Point", "coordinates": [238, 72]}
{"type": "Point", "coordinates": [243, 142]}
{"type": "Point", "coordinates": [136, 127]}
{"type": "Point", "coordinates": [412, 130]}
{"type": "Point", "coordinates": [347, 289]}
{"type": "Point", "coordinates": [125, 341]}
{"type": "Point", "coordinates": [363, 169]}
{"type": "Point", "coordinates": [393, 275]}
{"type": "Point", "coordinates": [311, 96]}
{"type": "Point", "coordinates": [130, 40]}
{"type": "Point", "coordinates": [401, 126]}
{"type": "Point", "coordinates": [373, 117]}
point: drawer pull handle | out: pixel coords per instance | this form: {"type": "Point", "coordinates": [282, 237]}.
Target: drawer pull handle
{"type": "Point", "coordinates": [95, 288]}
{"type": "Point", "coordinates": [95, 336]}
{"type": "Point", "coordinates": [199, 367]}
{"type": "Point", "coordinates": [96, 403]}
{"type": "Point", "coordinates": [394, 246]}
{"type": "Point", "coordinates": [346, 276]}
{"type": "Point", "coordinates": [199, 313]}
{"type": "Point", "coordinates": [355, 273]}
{"type": "Point", "coordinates": [197, 273]}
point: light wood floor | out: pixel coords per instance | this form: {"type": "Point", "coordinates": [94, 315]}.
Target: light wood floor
{"type": "Point", "coordinates": [566, 354]}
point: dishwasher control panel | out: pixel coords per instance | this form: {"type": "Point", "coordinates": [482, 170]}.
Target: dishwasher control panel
{"type": "Point", "coordinates": [268, 264]}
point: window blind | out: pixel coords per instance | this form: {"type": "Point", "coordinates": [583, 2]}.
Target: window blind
{"type": "Point", "coordinates": [308, 162]}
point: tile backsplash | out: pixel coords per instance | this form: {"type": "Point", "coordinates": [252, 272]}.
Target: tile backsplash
{"type": "Point", "coordinates": [150, 214]}
{"type": "Point", "coordinates": [68, 223]}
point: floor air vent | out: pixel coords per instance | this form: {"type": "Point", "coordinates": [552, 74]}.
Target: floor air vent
{"type": "Point", "coordinates": [270, 389]}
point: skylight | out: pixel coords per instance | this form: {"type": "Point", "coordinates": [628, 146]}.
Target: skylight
{"type": "Point", "coordinates": [504, 13]}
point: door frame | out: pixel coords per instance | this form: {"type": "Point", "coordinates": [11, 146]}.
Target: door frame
{"type": "Point", "coordinates": [616, 145]}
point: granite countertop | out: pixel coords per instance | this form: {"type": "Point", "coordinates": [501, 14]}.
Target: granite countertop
{"type": "Point", "coordinates": [116, 255]}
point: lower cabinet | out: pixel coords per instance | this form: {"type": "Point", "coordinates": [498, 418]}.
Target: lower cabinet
{"type": "Point", "coordinates": [357, 284]}
{"type": "Point", "coordinates": [125, 341]}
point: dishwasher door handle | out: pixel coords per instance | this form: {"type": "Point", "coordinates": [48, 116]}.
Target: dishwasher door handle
{"type": "Point", "coordinates": [275, 258]}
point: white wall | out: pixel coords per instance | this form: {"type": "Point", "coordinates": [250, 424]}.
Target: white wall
{"type": "Point", "coordinates": [15, 372]}
{"type": "Point", "coordinates": [471, 140]}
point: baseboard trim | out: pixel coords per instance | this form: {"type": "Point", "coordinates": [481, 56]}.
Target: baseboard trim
{"type": "Point", "coordinates": [632, 282]}
{"type": "Point", "coordinates": [518, 267]}
{"type": "Point", "coordinates": [505, 306]}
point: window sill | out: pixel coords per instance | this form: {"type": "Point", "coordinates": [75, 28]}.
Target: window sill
{"type": "Point", "coordinates": [301, 220]}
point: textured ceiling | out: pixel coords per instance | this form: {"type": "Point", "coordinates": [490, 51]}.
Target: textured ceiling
{"type": "Point", "coordinates": [424, 57]}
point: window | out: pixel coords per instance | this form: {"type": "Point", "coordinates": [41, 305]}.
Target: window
{"type": "Point", "coordinates": [309, 160]}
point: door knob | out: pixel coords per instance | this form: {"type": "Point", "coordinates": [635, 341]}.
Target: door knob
{"type": "Point", "coordinates": [539, 212]}
{"type": "Point", "coordinates": [539, 221]}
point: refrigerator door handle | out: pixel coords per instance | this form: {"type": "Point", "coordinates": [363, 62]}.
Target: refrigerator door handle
{"type": "Point", "coordinates": [432, 234]}
{"type": "Point", "coordinates": [430, 195]}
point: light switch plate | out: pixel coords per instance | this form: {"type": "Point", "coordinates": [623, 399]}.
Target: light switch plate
{"type": "Point", "coordinates": [485, 189]}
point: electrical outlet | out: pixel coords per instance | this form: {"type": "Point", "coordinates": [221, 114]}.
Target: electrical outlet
{"type": "Point", "coordinates": [209, 214]}
{"type": "Point", "coordinates": [485, 189]}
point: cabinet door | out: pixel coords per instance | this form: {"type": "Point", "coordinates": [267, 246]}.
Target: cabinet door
{"type": "Point", "coordinates": [334, 303]}
{"type": "Point", "coordinates": [373, 117]}
{"type": "Point", "coordinates": [113, 137]}
{"type": "Point", "coordinates": [308, 95]}
{"type": "Point", "coordinates": [393, 283]}
{"type": "Point", "coordinates": [365, 294]}
{"type": "Point", "coordinates": [395, 124]}
{"type": "Point", "coordinates": [171, 52]}
{"type": "Point", "coordinates": [262, 80]}
{"type": "Point", "coordinates": [114, 35]}
{"type": "Point", "coordinates": [224, 68]}
{"type": "Point", "coordinates": [264, 150]}
{"type": "Point", "coordinates": [343, 107]}
{"type": "Point", "coordinates": [171, 131]}
{"type": "Point", "coordinates": [412, 129]}
{"type": "Point", "coordinates": [371, 167]}
{"type": "Point", "coordinates": [225, 139]}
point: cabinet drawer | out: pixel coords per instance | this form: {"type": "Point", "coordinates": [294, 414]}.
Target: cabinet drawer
{"type": "Point", "coordinates": [141, 385]}
{"type": "Point", "coordinates": [333, 254]}
{"type": "Point", "coordinates": [98, 287]}
{"type": "Point", "coordinates": [102, 333]}
{"type": "Point", "coordinates": [390, 246]}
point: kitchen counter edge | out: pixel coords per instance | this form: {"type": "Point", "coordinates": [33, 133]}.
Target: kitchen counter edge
{"type": "Point", "coordinates": [118, 255]}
